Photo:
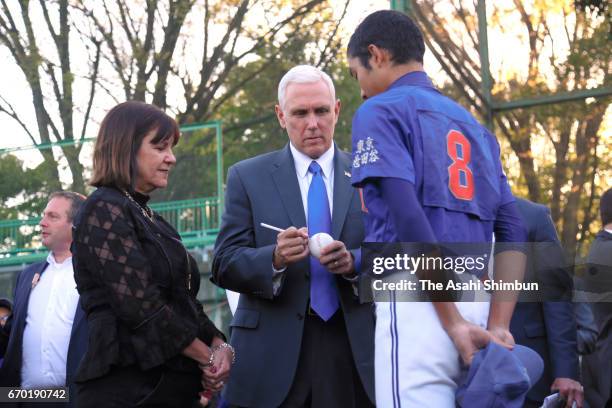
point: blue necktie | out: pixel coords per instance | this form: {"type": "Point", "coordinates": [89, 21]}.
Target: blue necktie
{"type": "Point", "coordinates": [323, 292]}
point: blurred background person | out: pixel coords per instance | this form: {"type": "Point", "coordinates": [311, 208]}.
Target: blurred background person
{"type": "Point", "coordinates": [548, 327]}
{"type": "Point", "coordinates": [5, 310]}
{"type": "Point", "coordinates": [151, 343]}
{"type": "Point", "coordinates": [45, 338]}
{"type": "Point", "coordinates": [597, 367]}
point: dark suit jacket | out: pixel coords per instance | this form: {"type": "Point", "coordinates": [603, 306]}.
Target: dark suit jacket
{"type": "Point", "coordinates": [11, 338]}
{"type": "Point", "coordinates": [597, 367]}
{"type": "Point", "coordinates": [267, 329]}
{"type": "Point", "coordinates": [549, 328]}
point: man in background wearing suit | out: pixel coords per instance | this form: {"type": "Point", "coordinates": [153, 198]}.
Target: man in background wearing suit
{"type": "Point", "coordinates": [547, 327]}
{"type": "Point", "coordinates": [6, 308]}
{"type": "Point", "coordinates": [46, 336]}
{"type": "Point", "coordinates": [5, 311]}
{"type": "Point", "coordinates": [302, 336]}
{"type": "Point", "coordinates": [597, 367]}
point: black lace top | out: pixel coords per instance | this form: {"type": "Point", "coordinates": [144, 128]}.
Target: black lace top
{"type": "Point", "coordinates": [138, 287]}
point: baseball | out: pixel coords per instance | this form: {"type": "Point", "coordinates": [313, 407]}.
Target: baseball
{"type": "Point", "coordinates": [317, 242]}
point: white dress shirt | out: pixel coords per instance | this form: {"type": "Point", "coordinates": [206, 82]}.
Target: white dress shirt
{"type": "Point", "coordinates": [46, 336]}
{"type": "Point", "coordinates": [302, 162]}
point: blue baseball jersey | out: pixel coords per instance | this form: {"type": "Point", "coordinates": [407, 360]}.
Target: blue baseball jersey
{"type": "Point", "coordinates": [414, 133]}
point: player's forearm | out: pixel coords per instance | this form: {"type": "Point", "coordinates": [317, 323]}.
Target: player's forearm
{"type": "Point", "coordinates": [509, 267]}
{"type": "Point", "coordinates": [448, 314]}
{"type": "Point", "coordinates": [500, 313]}
{"type": "Point", "coordinates": [411, 225]}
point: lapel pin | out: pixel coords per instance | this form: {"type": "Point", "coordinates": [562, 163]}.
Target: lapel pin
{"type": "Point", "coordinates": [35, 279]}
{"type": "Point", "coordinates": [347, 174]}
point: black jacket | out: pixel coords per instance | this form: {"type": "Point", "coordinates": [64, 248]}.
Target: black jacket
{"type": "Point", "coordinates": [597, 367]}
{"type": "Point", "coordinates": [138, 287]}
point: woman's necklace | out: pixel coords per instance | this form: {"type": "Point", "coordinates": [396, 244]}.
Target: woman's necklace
{"type": "Point", "coordinates": [146, 211]}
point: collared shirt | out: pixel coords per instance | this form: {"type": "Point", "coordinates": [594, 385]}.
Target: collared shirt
{"type": "Point", "coordinates": [48, 327]}
{"type": "Point", "coordinates": [302, 162]}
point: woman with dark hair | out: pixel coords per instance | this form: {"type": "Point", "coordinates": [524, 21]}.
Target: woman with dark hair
{"type": "Point", "coordinates": [150, 343]}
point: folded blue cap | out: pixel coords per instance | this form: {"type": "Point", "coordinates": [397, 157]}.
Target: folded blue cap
{"type": "Point", "coordinates": [500, 378]}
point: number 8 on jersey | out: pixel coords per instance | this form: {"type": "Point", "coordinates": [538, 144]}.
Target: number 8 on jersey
{"type": "Point", "coordinates": [460, 177]}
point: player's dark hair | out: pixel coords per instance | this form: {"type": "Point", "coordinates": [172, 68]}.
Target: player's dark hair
{"type": "Point", "coordinates": [390, 30]}
{"type": "Point", "coordinates": [605, 207]}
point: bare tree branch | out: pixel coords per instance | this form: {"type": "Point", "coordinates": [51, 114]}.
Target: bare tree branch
{"type": "Point", "coordinates": [10, 111]}
{"type": "Point", "coordinates": [54, 35]}
{"type": "Point", "coordinates": [450, 59]}
{"type": "Point", "coordinates": [127, 23]}
{"type": "Point", "coordinates": [92, 88]}
{"type": "Point", "coordinates": [178, 12]}
{"type": "Point", "coordinates": [232, 91]}
{"type": "Point", "coordinates": [331, 38]}
{"type": "Point", "coordinates": [208, 66]}
{"type": "Point", "coordinates": [11, 30]}
{"type": "Point", "coordinates": [206, 28]}
{"type": "Point", "coordinates": [49, 69]}
{"type": "Point", "coordinates": [54, 129]}
{"type": "Point", "coordinates": [463, 16]}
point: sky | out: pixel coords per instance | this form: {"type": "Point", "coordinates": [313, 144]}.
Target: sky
{"type": "Point", "coordinates": [14, 87]}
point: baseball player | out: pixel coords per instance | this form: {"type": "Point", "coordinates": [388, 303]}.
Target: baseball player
{"type": "Point", "coordinates": [429, 172]}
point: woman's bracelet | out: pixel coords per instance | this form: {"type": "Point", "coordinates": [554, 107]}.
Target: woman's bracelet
{"type": "Point", "coordinates": [220, 346]}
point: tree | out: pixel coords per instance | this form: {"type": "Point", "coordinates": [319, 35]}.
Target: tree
{"type": "Point", "coordinates": [177, 54]}
{"type": "Point", "coordinates": [568, 182]}
{"type": "Point", "coordinates": [41, 48]}
{"type": "Point", "coordinates": [33, 185]}
{"type": "Point", "coordinates": [250, 126]}
{"type": "Point", "coordinates": [174, 42]}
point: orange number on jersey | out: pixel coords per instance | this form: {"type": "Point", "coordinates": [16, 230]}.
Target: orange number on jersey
{"type": "Point", "coordinates": [459, 150]}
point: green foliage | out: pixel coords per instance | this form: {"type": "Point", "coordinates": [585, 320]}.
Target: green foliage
{"type": "Point", "coordinates": [250, 126]}
{"type": "Point", "coordinates": [11, 176]}
{"type": "Point", "coordinates": [596, 6]}
{"type": "Point", "coordinates": [194, 173]}
{"type": "Point", "coordinates": [28, 187]}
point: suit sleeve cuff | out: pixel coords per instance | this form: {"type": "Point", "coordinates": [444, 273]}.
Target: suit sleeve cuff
{"type": "Point", "coordinates": [278, 276]}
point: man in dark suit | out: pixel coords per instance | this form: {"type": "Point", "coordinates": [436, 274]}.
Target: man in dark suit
{"type": "Point", "coordinates": [6, 307]}
{"type": "Point", "coordinates": [46, 336]}
{"type": "Point", "coordinates": [547, 327]}
{"type": "Point", "coordinates": [302, 336]}
{"type": "Point", "coordinates": [597, 367]}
